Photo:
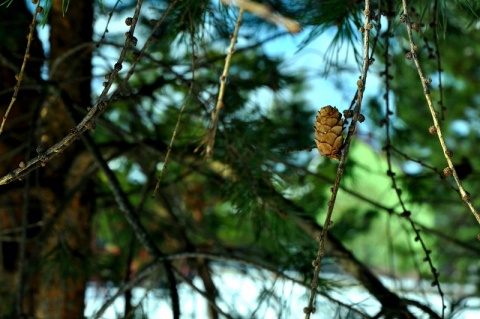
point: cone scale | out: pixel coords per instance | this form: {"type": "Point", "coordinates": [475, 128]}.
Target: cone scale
{"type": "Point", "coordinates": [328, 132]}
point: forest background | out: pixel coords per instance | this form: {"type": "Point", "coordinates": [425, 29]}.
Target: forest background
{"type": "Point", "coordinates": [172, 146]}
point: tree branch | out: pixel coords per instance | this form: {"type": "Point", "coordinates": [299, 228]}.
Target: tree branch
{"type": "Point", "coordinates": [341, 166]}
{"type": "Point", "coordinates": [450, 169]}
{"type": "Point", "coordinates": [132, 217]}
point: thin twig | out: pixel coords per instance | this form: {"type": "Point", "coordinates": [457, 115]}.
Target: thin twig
{"type": "Point", "coordinates": [424, 165]}
{"type": "Point", "coordinates": [132, 243]}
{"type": "Point", "coordinates": [132, 217]}
{"type": "Point", "coordinates": [182, 110]}
{"type": "Point", "coordinates": [138, 55]}
{"type": "Point", "coordinates": [210, 138]}
{"type": "Point", "coordinates": [127, 286]}
{"type": "Point", "coordinates": [439, 60]}
{"type": "Point", "coordinates": [341, 166]}
{"type": "Point", "coordinates": [96, 110]}
{"type": "Point", "coordinates": [446, 152]}
{"type": "Point", "coordinates": [153, 266]}
{"type": "Point", "coordinates": [388, 148]}
{"type": "Point", "coordinates": [110, 15]}
{"type": "Point", "coordinates": [19, 76]}
{"type": "Point", "coordinates": [203, 294]}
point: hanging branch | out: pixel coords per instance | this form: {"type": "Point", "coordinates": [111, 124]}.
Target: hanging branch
{"type": "Point", "coordinates": [391, 174]}
{"type": "Point", "coordinates": [19, 76]}
{"type": "Point", "coordinates": [434, 22]}
{"type": "Point", "coordinates": [110, 15]}
{"type": "Point", "coordinates": [209, 139]}
{"type": "Point", "coordinates": [182, 110]}
{"type": "Point", "coordinates": [450, 169]}
{"type": "Point", "coordinates": [341, 166]}
{"type": "Point", "coordinates": [263, 12]}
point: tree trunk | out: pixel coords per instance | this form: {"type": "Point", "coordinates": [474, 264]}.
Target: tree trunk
{"type": "Point", "coordinates": [47, 278]}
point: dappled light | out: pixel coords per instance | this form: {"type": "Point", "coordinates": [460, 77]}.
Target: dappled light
{"type": "Point", "coordinates": [239, 159]}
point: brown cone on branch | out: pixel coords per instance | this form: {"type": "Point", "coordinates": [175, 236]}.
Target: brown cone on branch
{"type": "Point", "coordinates": [328, 132]}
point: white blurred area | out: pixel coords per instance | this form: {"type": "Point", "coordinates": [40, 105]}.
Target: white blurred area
{"type": "Point", "coordinates": [261, 294]}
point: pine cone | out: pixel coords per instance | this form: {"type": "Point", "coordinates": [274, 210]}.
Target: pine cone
{"type": "Point", "coordinates": [328, 132]}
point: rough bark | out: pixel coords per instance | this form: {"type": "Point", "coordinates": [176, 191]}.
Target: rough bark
{"type": "Point", "coordinates": [54, 269]}
{"type": "Point", "coordinates": [71, 74]}
{"type": "Point", "coordinates": [15, 142]}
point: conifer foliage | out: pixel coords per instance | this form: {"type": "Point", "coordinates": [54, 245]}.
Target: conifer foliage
{"type": "Point", "coordinates": [157, 147]}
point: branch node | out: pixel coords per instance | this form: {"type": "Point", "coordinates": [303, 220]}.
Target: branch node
{"type": "Point", "coordinates": [447, 171]}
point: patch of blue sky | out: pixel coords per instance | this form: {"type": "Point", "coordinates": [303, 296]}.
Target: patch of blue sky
{"type": "Point", "coordinates": [135, 173]}
{"type": "Point", "coordinates": [338, 87]}
{"type": "Point", "coordinates": [461, 127]}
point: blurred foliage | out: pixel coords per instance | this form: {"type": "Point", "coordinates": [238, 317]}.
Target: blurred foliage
{"type": "Point", "coordinates": [244, 203]}
{"type": "Point", "coordinates": [236, 202]}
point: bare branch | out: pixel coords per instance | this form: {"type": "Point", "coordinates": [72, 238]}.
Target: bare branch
{"type": "Point", "coordinates": [450, 169]}
{"type": "Point", "coordinates": [19, 76]}
{"type": "Point", "coordinates": [341, 166]}
{"type": "Point", "coordinates": [182, 110]}
{"type": "Point", "coordinates": [209, 139]}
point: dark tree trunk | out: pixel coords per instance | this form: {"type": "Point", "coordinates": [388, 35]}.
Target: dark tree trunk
{"type": "Point", "coordinates": [53, 270]}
